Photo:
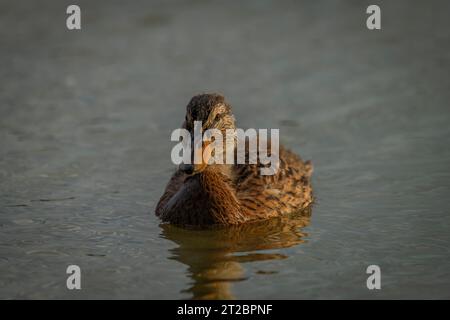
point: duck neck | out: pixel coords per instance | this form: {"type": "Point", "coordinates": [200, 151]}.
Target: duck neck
{"type": "Point", "coordinates": [224, 170]}
{"type": "Point", "coordinates": [216, 186]}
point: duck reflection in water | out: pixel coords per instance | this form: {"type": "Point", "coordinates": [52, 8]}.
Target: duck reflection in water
{"type": "Point", "coordinates": [214, 256]}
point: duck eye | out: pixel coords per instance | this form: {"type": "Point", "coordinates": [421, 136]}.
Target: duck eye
{"type": "Point", "coordinates": [217, 117]}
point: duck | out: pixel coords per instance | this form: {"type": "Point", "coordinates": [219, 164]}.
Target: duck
{"type": "Point", "coordinates": [209, 194]}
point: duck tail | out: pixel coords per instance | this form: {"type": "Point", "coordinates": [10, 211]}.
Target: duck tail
{"type": "Point", "coordinates": [309, 167]}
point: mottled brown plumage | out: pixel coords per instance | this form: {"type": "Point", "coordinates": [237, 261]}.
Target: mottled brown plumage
{"type": "Point", "coordinates": [232, 194]}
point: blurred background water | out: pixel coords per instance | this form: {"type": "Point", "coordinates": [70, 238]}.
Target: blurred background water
{"type": "Point", "coordinates": [86, 117]}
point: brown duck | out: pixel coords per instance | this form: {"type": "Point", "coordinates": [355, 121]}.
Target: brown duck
{"type": "Point", "coordinates": [222, 194]}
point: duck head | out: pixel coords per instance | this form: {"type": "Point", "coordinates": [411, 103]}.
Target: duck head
{"type": "Point", "coordinates": [214, 113]}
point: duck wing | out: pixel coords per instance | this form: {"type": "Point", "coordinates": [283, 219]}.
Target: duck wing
{"type": "Point", "coordinates": [265, 196]}
{"type": "Point", "coordinates": [174, 184]}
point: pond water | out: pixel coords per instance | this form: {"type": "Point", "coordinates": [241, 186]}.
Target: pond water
{"type": "Point", "coordinates": [85, 127]}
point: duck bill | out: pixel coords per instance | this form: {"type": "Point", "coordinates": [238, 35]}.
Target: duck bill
{"type": "Point", "coordinates": [201, 155]}
{"type": "Point", "coordinates": [202, 152]}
